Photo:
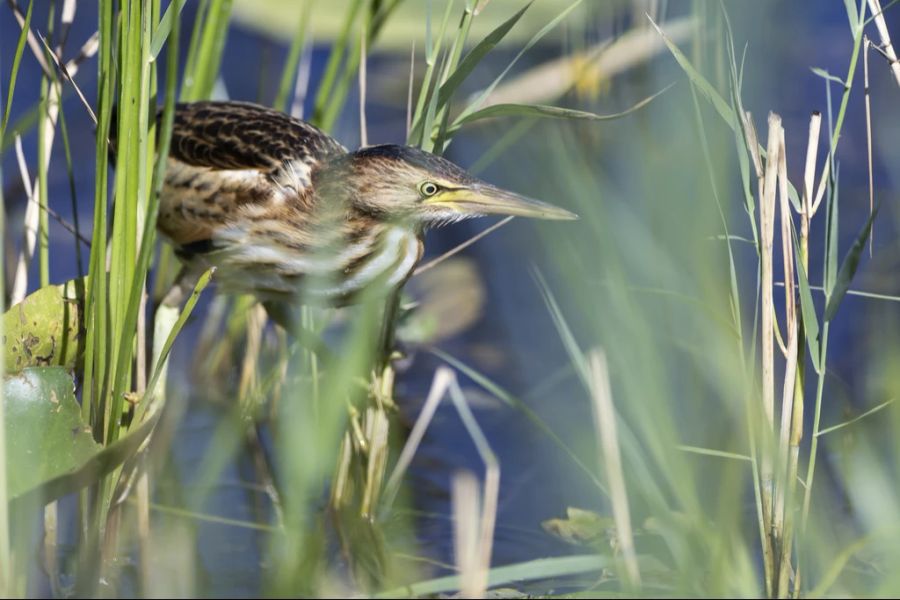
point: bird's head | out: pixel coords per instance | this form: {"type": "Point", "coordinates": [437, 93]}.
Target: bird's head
{"type": "Point", "coordinates": [407, 184]}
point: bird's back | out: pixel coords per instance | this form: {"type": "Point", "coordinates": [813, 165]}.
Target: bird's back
{"type": "Point", "coordinates": [238, 194]}
{"type": "Point", "coordinates": [237, 162]}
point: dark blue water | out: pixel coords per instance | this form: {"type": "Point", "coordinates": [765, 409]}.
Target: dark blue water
{"type": "Point", "coordinates": [514, 341]}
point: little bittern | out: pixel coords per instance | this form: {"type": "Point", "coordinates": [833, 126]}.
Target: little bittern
{"type": "Point", "coordinates": [283, 211]}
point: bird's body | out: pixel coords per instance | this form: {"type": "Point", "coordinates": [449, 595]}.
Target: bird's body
{"type": "Point", "coordinates": [284, 211]}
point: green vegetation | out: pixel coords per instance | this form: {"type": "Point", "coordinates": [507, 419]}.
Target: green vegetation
{"type": "Point", "coordinates": [695, 304]}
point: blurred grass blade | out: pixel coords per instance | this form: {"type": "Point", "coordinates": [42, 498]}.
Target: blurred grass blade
{"type": "Point", "coordinates": [828, 76]}
{"type": "Point", "coordinates": [474, 57]}
{"type": "Point", "coordinates": [289, 73]}
{"type": "Point", "coordinates": [702, 84]}
{"type": "Point", "coordinates": [517, 404]}
{"type": "Point", "coordinates": [715, 453]}
{"type": "Point", "coordinates": [843, 424]}
{"type": "Point", "coordinates": [482, 96]}
{"type": "Point", "coordinates": [542, 568]}
{"type": "Point", "coordinates": [848, 268]}
{"type": "Point", "coordinates": [552, 112]}
{"type": "Point", "coordinates": [161, 34]}
{"type": "Point", "coordinates": [421, 124]}
{"type": "Point", "coordinates": [170, 341]}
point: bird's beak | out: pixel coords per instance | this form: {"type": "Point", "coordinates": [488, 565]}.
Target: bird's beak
{"type": "Point", "coordinates": [485, 199]}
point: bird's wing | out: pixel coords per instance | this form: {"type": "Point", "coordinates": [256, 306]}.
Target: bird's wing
{"type": "Point", "coordinates": [226, 158]}
{"type": "Point", "coordinates": [242, 135]}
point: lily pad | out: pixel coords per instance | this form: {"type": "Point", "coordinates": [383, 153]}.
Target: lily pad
{"type": "Point", "coordinates": [46, 328]}
{"type": "Point", "coordinates": [50, 452]}
{"type": "Point", "coordinates": [45, 436]}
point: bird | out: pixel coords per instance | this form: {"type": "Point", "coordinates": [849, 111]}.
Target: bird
{"type": "Point", "coordinates": [285, 212]}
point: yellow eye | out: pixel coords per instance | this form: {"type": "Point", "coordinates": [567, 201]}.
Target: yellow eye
{"type": "Point", "coordinates": [428, 189]}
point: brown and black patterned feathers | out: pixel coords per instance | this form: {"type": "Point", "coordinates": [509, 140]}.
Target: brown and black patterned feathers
{"type": "Point", "coordinates": [242, 135]}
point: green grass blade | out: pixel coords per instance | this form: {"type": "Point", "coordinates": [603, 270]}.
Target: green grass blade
{"type": "Point", "coordinates": [542, 568]}
{"type": "Point", "coordinates": [293, 59]}
{"type": "Point", "coordinates": [715, 453]}
{"type": "Point", "coordinates": [161, 34]}
{"type": "Point", "coordinates": [14, 73]}
{"type": "Point", "coordinates": [475, 56]}
{"type": "Point", "coordinates": [420, 123]}
{"type": "Point", "coordinates": [476, 104]}
{"type": "Point", "coordinates": [702, 84]}
{"type": "Point", "coordinates": [551, 112]}
{"type": "Point", "coordinates": [848, 268]}
{"type": "Point", "coordinates": [807, 310]}
{"type": "Point", "coordinates": [182, 319]}
{"type": "Point", "coordinates": [869, 412]}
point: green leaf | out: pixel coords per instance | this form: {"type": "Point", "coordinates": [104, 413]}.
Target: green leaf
{"type": "Point", "coordinates": [46, 328]}
{"type": "Point", "coordinates": [50, 451]}
{"type": "Point", "coordinates": [848, 268]}
{"type": "Point", "coordinates": [704, 86]}
{"type": "Point", "coordinates": [474, 57]}
{"type": "Point", "coordinates": [808, 310]}
{"type": "Point", "coordinates": [828, 76]}
{"type": "Point", "coordinates": [14, 74]}
{"type": "Point", "coordinates": [164, 28]}
{"type": "Point", "coordinates": [45, 436]}
{"type": "Point", "coordinates": [553, 112]}
{"type": "Point", "coordinates": [473, 106]}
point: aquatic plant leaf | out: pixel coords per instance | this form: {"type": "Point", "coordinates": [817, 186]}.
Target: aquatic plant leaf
{"type": "Point", "coordinates": [50, 451]}
{"type": "Point", "coordinates": [45, 435]}
{"type": "Point", "coordinates": [46, 328]}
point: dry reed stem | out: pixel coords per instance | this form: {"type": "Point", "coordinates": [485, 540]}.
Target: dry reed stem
{"type": "Point", "coordinates": [767, 180]}
{"type": "Point", "coordinates": [301, 85]}
{"type": "Point", "coordinates": [790, 372]}
{"type": "Point", "coordinates": [767, 233]}
{"type": "Point", "coordinates": [605, 424]}
{"type": "Point", "coordinates": [142, 498]}
{"type": "Point", "coordinates": [474, 535]}
{"type": "Point", "coordinates": [32, 214]}
{"type": "Point", "coordinates": [32, 39]}
{"type": "Point", "coordinates": [554, 78]}
{"type": "Point", "coordinates": [887, 47]}
{"type": "Point", "coordinates": [363, 129]}
{"type": "Point", "coordinates": [439, 385]}
{"type": "Point", "coordinates": [67, 17]}
{"type": "Point", "coordinates": [50, 546]}
{"type": "Point", "coordinates": [256, 323]}
{"type": "Point", "coordinates": [464, 502]}
{"type": "Point", "coordinates": [809, 174]}
{"type": "Point", "coordinates": [340, 486]}
{"type": "Point", "coordinates": [47, 131]}
{"type": "Point", "coordinates": [377, 428]}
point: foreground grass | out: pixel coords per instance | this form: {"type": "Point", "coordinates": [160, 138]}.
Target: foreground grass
{"type": "Point", "coordinates": [668, 307]}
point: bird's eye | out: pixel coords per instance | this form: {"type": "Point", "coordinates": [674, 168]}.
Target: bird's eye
{"type": "Point", "coordinates": [428, 189]}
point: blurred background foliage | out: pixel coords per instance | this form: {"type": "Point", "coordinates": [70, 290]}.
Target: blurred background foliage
{"type": "Point", "coordinates": [658, 285]}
